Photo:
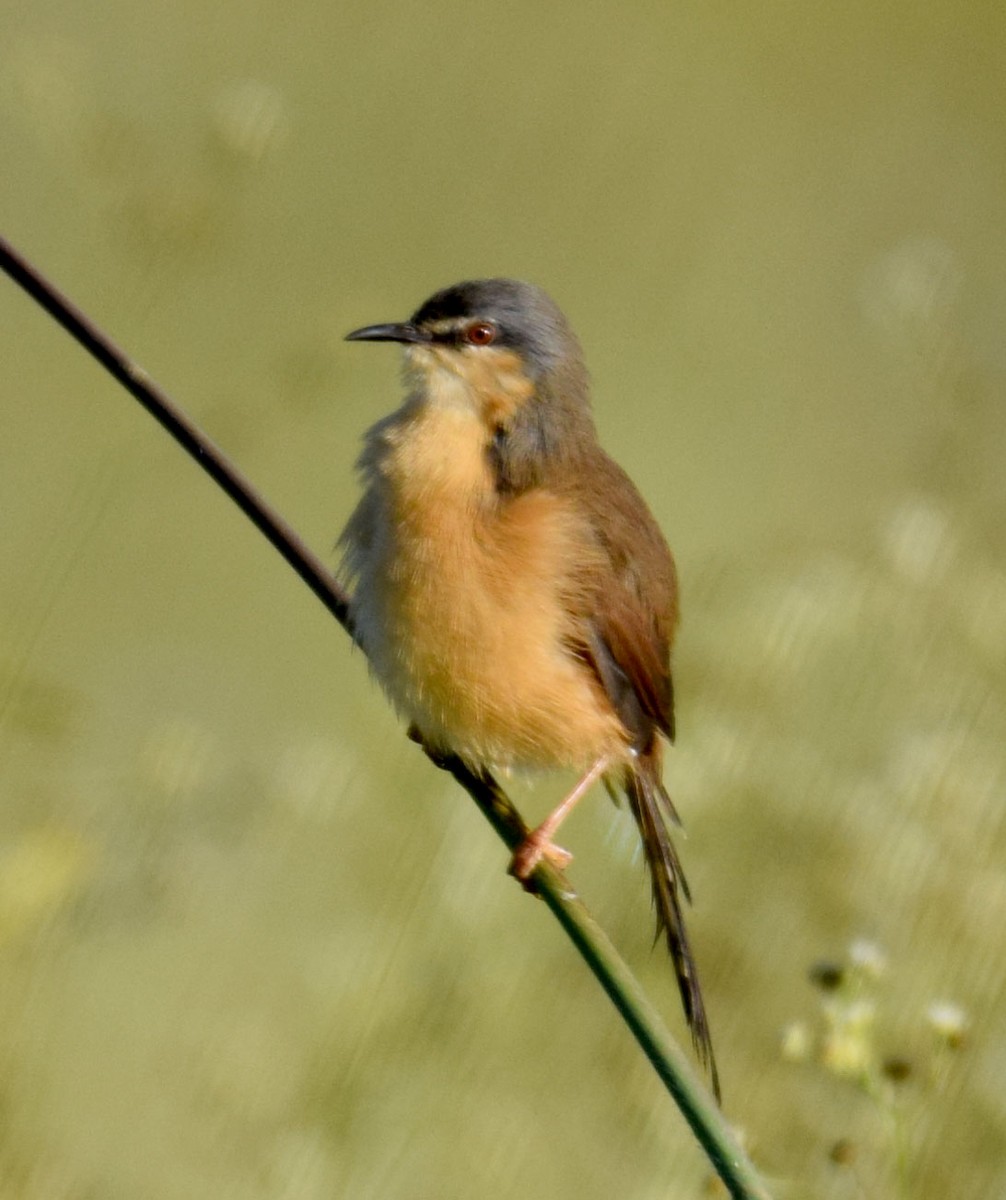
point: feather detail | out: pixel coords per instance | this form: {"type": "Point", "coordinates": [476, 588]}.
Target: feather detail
{"type": "Point", "coordinates": [646, 793]}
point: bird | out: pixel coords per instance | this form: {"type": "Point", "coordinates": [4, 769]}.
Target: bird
{"type": "Point", "coordinates": [511, 589]}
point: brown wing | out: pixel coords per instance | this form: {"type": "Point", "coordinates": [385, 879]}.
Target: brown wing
{"type": "Point", "coordinates": [629, 631]}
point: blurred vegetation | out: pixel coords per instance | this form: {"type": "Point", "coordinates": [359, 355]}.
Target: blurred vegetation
{"type": "Point", "coordinates": [252, 944]}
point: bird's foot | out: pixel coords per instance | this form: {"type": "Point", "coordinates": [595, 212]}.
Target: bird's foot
{"type": "Point", "coordinates": [537, 846]}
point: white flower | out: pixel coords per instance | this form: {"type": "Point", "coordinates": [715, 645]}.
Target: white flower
{"type": "Point", "coordinates": [948, 1020]}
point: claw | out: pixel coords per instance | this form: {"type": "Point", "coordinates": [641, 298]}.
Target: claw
{"type": "Point", "coordinates": [535, 847]}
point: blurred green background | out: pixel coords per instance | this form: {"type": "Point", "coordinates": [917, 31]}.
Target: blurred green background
{"type": "Point", "coordinates": [251, 944]}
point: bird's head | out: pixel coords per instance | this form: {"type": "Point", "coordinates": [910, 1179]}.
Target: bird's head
{"type": "Point", "coordinates": [503, 349]}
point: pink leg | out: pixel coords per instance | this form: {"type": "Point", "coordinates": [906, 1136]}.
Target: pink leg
{"type": "Point", "coordinates": [538, 844]}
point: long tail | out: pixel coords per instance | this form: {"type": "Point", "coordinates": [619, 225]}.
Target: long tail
{"type": "Point", "coordinates": [646, 794]}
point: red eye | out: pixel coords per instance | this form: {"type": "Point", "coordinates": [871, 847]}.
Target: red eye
{"type": "Point", "coordinates": [482, 333]}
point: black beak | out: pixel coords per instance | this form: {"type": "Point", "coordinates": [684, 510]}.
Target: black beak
{"type": "Point", "coordinates": [404, 332]}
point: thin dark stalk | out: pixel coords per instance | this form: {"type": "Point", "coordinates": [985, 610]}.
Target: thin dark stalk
{"type": "Point", "coordinates": [192, 439]}
{"type": "Point", "coordinates": [669, 1061]}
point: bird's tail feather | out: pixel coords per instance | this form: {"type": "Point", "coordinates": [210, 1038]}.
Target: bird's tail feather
{"type": "Point", "coordinates": [646, 795]}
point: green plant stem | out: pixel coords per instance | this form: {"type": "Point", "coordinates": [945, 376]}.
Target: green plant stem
{"type": "Point", "coordinates": [696, 1102]}
{"type": "Point", "coordinates": [672, 1066]}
